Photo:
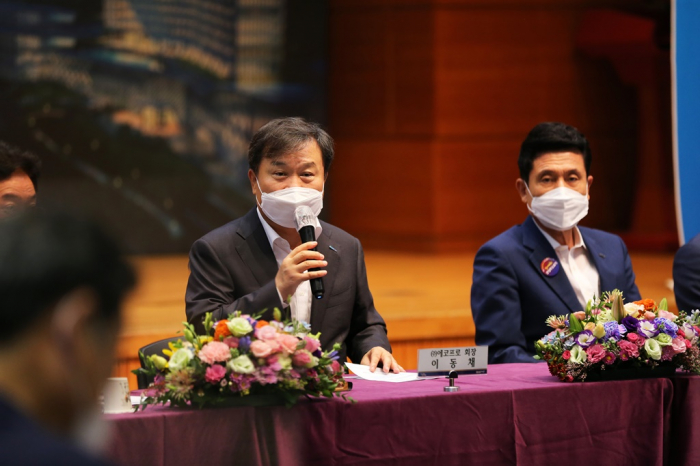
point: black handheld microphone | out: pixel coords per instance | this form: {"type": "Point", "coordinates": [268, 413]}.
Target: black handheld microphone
{"type": "Point", "coordinates": [306, 224]}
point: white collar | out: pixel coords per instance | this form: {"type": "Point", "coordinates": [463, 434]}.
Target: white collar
{"type": "Point", "coordinates": [273, 236]}
{"type": "Point", "coordinates": [555, 244]}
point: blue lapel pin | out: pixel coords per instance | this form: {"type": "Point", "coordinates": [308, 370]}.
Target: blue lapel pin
{"type": "Point", "coordinates": [549, 267]}
{"type": "Point", "coordinates": [332, 248]}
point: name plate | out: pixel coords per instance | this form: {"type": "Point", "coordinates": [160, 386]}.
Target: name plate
{"type": "Point", "coordinates": [463, 360]}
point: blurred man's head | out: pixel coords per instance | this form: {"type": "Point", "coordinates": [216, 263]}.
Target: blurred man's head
{"type": "Point", "coordinates": [62, 282]}
{"type": "Point", "coordinates": [19, 175]}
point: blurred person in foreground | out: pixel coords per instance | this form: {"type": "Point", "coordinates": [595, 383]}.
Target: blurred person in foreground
{"type": "Point", "coordinates": [547, 265]}
{"type": "Point", "coordinates": [19, 175]}
{"type": "Point", "coordinates": [258, 261]}
{"type": "Point", "coordinates": [686, 276]}
{"type": "Point", "coordinates": [62, 282]}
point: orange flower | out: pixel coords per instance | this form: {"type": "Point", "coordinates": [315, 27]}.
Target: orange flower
{"type": "Point", "coordinates": [261, 323]}
{"type": "Point", "coordinates": [221, 331]}
{"type": "Point", "coordinates": [649, 304]}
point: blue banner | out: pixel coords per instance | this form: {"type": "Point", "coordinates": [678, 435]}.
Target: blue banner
{"type": "Point", "coordinates": [685, 57]}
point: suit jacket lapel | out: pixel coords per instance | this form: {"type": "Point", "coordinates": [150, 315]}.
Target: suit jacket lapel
{"type": "Point", "coordinates": [597, 256]}
{"type": "Point", "coordinates": [255, 250]}
{"type": "Point", "coordinates": [541, 249]}
{"type": "Point", "coordinates": [332, 256]}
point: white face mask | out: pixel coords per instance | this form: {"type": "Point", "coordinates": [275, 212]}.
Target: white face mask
{"type": "Point", "coordinates": [559, 209]}
{"type": "Point", "coordinates": [279, 206]}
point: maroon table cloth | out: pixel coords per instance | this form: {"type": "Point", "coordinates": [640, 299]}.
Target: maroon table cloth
{"type": "Point", "coordinates": [515, 414]}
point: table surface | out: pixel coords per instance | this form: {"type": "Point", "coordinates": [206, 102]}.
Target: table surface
{"type": "Point", "coordinates": [515, 414]}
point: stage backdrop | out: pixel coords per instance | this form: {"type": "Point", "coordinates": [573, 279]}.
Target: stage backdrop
{"type": "Point", "coordinates": [686, 100]}
{"type": "Point", "coordinates": [141, 110]}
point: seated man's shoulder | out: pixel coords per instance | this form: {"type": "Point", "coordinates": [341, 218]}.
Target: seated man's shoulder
{"type": "Point", "coordinates": [692, 246]}
{"type": "Point", "coordinates": [337, 235]}
{"type": "Point", "coordinates": [224, 233]}
{"type": "Point", "coordinates": [507, 242]}
{"type": "Point", "coordinates": [24, 442]}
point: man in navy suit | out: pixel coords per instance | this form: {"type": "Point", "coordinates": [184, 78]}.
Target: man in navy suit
{"type": "Point", "coordinates": [547, 265]}
{"type": "Point", "coordinates": [258, 261]}
{"type": "Point", "coordinates": [686, 275]}
{"type": "Point", "coordinates": [62, 281]}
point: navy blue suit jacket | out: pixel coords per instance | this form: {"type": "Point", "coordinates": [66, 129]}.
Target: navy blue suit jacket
{"type": "Point", "coordinates": [24, 442]}
{"type": "Point", "coordinates": [686, 276]}
{"type": "Point", "coordinates": [511, 297]}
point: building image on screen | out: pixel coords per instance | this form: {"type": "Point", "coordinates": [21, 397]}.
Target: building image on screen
{"type": "Point", "coordinates": [141, 110]}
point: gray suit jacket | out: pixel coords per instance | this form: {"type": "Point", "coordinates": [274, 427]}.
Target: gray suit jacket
{"type": "Point", "coordinates": [233, 268]}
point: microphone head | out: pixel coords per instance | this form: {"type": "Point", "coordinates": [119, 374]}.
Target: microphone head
{"type": "Point", "coordinates": [304, 216]}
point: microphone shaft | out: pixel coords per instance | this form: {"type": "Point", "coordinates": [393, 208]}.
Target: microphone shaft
{"type": "Point", "coordinates": [308, 233]}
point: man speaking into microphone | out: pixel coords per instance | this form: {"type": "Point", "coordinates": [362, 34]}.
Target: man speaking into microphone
{"type": "Point", "coordinates": [259, 262]}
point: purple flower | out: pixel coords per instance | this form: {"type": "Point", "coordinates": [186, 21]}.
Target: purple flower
{"type": "Point", "coordinates": [585, 339]}
{"type": "Point", "coordinates": [244, 344]}
{"type": "Point", "coordinates": [648, 329]}
{"type": "Point", "coordinates": [666, 326]}
{"type": "Point", "coordinates": [630, 323]}
{"type": "Point", "coordinates": [612, 331]}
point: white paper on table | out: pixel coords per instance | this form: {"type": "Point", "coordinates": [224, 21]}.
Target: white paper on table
{"type": "Point", "coordinates": [379, 376]}
{"type": "Point", "coordinates": [135, 400]}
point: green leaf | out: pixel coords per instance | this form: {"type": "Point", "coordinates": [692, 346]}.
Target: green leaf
{"type": "Point", "coordinates": [277, 314]}
{"type": "Point", "coordinates": [663, 305]}
{"type": "Point", "coordinates": [575, 325]}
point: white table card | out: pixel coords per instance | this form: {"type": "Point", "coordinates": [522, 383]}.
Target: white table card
{"type": "Point", "coordinates": [463, 360]}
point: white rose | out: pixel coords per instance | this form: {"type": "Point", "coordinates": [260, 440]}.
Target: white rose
{"type": "Point", "coordinates": [239, 326]}
{"type": "Point", "coordinates": [241, 365]}
{"type": "Point", "coordinates": [631, 308]}
{"type": "Point", "coordinates": [179, 359]}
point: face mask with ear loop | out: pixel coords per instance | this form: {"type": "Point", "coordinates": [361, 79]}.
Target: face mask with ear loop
{"type": "Point", "coordinates": [90, 430]}
{"type": "Point", "coordinates": [280, 206]}
{"type": "Point", "coordinates": [559, 209]}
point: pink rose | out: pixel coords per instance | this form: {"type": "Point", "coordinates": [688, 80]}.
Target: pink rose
{"type": "Point", "coordinates": [312, 344]}
{"type": "Point", "coordinates": [648, 315]}
{"type": "Point", "coordinates": [302, 358]}
{"type": "Point", "coordinates": [633, 337]}
{"type": "Point", "coordinates": [566, 355]}
{"type": "Point", "coordinates": [336, 367]}
{"type": "Point", "coordinates": [580, 315]}
{"type": "Point", "coordinates": [640, 341]}
{"type": "Point", "coordinates": [267, 332]}
{"type": "Point", "coordinates": [595, 353]}
{"type": "Point", "coordinates": [678, 345]}
{"type": "Point", "coordinates": [231, 342]}
{"type": "Point", "coordinates": [288, 343]}
{"type": "Point", "coordinates": [688, 344]}
{"type": "Point", "coordinates": [628, 349]}
{"type": "Point", "coordinates": [214, 351]}
{"type": "Point", "coordinates": [260, 349]}
{"type": "Point", "coordinates": [668, 315]}
{"type": "Point", "coordinates": [214, 373]}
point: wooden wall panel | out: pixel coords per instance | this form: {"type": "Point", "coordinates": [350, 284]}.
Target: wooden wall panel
{"type": "Point", "coordinates": [465, 80]}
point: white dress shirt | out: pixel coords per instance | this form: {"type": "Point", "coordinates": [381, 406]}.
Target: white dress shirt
{"type": "Point", "coordinates": [301, 299]}
{"type": "Point", "coordinates": [579, 269]}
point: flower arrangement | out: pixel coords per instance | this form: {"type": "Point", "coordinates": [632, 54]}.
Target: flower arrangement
{"type": "Point", "coordinates": [240, 356]}
{"type": "Point", "coordinates": [610, 335]}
